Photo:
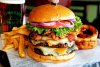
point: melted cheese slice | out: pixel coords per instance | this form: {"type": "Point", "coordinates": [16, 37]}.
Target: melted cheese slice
{"type": "Point", "coordinates": [60, 50]}
{"type": "Point", "coordinates": [53, 51]}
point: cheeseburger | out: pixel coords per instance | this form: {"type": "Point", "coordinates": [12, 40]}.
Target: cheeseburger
{"type": "Point", "coordinates": [53, 29]}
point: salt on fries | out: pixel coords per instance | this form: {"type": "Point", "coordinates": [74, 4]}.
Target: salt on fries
{"type": "Point", "coordinates": [17, 39]}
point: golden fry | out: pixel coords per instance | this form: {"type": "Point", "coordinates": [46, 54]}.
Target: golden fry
{"type": "Point", "coordinates": [11, 33]}
{"type": "Point", "coordinates": [7, 47]}
{"type": "Point", "coordinates": [17, 39]}
{"type": "Point", "coordinates": [23, 31]}
{"type": "Point", "coordinates": [15, 28]}
{"type": "Point", "coordinates": [8, 40]}
{"type": "Point", "coordinates": [21, 47]}
{"type": "Point", "coordinates": [15, 36]}
{"type": "Point", "coordinates": [3, 37]}
{"type": "Point", "coordinates": [23, 26]}
{"type": "Point", "coordinates": [15, 42]}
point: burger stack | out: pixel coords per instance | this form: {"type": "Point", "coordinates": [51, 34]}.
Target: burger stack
{"type": "Point", "coordinates": [54, 29]}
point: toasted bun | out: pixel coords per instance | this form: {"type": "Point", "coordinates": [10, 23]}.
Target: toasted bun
{"type": "Point", "coordinates": [48, 12]}
{"type": "Point", "coordinates": [52, 59]}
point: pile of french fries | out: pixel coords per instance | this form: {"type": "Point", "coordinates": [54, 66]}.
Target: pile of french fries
{"type": "Point", "coordinates": [17, 39]}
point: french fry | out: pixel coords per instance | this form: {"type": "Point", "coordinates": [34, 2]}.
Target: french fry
{"type": "Point", "coordinates": [5, 42]}
{"type": "Point", "coordinates": [21, 47]}
{"type": "Point", "coordinates": [17, 39]}
{"type": "Point", "coordinates": [23, 26]}
{"type": "Point", "coordinates": [15, 28]}
{"type": "Point", "coordinates": [23, 31]}
{"type": "Point", "coordinates": [15, 36]}
{"type": "Point", "coordinates": [11, 33]}
{"type": "Point", "coordinates": [7, 47]}
{"type": "Point", "coordinates": [8, 40]}
{"type": "Point", "coordinates": [3, 37]}
{"type": "Point", "coordinates": [15, 42]}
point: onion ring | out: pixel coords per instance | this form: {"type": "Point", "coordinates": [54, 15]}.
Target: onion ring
{"type": "Point", "coordinates": [86, 40]}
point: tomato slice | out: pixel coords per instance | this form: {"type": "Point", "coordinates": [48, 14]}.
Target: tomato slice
{"type": "Point", "coordinates": [56, 24]}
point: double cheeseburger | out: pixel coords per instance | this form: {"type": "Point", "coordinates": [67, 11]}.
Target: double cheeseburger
{"type": "Point", "coordinates": [53, 29]}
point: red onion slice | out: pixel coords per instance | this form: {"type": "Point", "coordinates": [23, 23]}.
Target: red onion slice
{"type": "Point", "coordinates": [69, 25]}
{"type": "Point", "coordinates": [42, 24]}
{"type": "Point", "coordinates": [48, 24]}
{"type": "Point", "coordinates": [72, 20]}
{"type": "Point", "coordinates": [34, 24]}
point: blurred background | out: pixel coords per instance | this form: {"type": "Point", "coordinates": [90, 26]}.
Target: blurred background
{"type": "Point", "coordinates": [86, 8]}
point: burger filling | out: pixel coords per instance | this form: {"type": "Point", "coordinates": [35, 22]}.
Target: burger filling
{"type": "Point", "coordinates": [59, 28]}
{"type": "Point", "coordinates": [47, 51]}
{"type": "Point", "coordinates": [48, 46]}
{"type": "Point", "coordinates": [62, 23]}
{"type": "Point", "coordinates": [55, 41]}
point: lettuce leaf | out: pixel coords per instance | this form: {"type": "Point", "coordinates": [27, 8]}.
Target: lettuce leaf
{"type": "Point", "coordinates": [57, 31]}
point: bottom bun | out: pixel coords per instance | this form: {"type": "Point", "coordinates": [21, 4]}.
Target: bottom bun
{"type": "Point", "coordinates": [52, 59]}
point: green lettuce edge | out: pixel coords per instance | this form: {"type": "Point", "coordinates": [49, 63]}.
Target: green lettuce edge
{"type": "Point", "coordinates": [57, 31]}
